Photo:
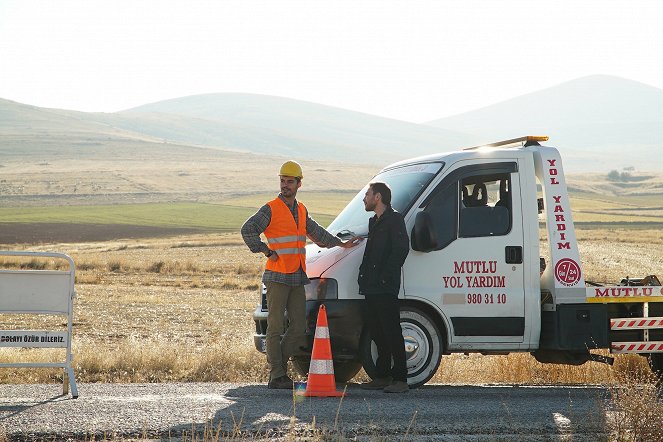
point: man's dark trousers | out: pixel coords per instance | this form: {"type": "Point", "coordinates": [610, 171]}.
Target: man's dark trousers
{"type": "Point", "coordinates": [383, 320]}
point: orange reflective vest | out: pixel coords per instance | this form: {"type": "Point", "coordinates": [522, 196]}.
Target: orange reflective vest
{"type": "Point", "coordinates": [286, 238]}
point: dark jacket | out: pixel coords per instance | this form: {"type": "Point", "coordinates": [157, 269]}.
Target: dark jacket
{"type": "Point", "coordinates": [387, 247]}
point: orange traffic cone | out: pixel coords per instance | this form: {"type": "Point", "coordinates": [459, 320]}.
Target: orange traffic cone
{"type": "Point", "coordinates": [321, 380]}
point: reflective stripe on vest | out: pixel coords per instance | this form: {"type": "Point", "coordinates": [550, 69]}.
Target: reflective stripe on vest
{"type": "Point", "coordinates": [283, 239]}
{"type": "Point", "coordinates": [291, 251]}
{"type": "Point", "coordinates": [286, 238]}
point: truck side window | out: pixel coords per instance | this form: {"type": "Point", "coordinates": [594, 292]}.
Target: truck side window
{"type": "Point", "coordinates": [486, 210]}
{"type": "Point", "coordinates": [443, 210]}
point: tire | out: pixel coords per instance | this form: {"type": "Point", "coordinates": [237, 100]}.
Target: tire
{"type": "Point", "coordinates": [423, 347]}
{"type": "Point", "coordinates": [343, 370]}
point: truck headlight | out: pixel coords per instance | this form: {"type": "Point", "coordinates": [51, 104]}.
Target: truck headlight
{"type": "Point", "coordinates": [263, 297]}
{"type": "Point", "coordinates": [321, 288]}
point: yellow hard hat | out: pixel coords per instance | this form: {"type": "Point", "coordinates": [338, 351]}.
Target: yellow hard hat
{"type": "Point", "coordinates": [291, 168]}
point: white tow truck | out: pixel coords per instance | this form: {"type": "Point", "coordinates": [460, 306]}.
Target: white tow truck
{"type": "Point", "coordinates": [474, 280]}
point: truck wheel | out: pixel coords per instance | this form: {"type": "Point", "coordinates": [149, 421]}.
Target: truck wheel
{"type": "Point", "coordinates": [423, 347]}
{"type": "Point", "coordinates": [343, 370]}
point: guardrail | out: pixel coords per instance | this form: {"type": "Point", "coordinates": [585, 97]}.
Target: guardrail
{"type": "Point", "coordinates": [40, 292]}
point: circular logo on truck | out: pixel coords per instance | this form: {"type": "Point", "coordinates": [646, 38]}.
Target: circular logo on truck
{"type": "Point", "coordinates": [567, 272]}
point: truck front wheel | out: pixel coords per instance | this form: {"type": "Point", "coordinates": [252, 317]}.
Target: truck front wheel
{"type": "Point", "coordinates": [423, 347]}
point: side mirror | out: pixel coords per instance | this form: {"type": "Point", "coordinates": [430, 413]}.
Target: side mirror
{"type": "Point", "coordinates": [424, 236]}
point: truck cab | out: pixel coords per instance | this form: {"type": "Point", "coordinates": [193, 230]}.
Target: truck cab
{"type": "Point", "coordinates": [474, 280]}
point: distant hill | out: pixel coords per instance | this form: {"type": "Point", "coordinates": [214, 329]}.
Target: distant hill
{"type": "Point", "coordinates": [34, 132]}
{"type": "Point", "coordinates": [62, 157]}
{"type": "Point", "coordinates": [23, 120]}
{"type": "Point", "coordinates": [238, 122]}
{"type": "Point", "coordinates": [598, 122]}
{"type": "Point", "coordinates": [281, 126]}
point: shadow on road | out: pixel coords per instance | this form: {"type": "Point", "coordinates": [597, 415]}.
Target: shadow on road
{"type": "Point", "coordinates": [8, 411]}
{"type": "Point", "coordinates": [520, 413]}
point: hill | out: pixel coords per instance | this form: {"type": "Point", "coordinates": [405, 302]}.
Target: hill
{"type": "Point", "coordinates": [59, 157]}
{"type": "Point", "coordinates": [281, 126]}
{"type": "Point", "coordinates": [598, 122]}
{"type": "Point", "coordinates": [234, 122]}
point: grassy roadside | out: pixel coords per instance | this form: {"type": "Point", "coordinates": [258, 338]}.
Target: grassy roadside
{"type": "Point", "coordinates": [182, 215]}
{"type": "Point", "coordinates": [203, 216]}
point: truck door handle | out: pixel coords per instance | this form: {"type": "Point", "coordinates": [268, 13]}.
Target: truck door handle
{"type": "Point", "coordinates": [513, 254]}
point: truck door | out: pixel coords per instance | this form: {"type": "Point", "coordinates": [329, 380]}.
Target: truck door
{"type": "Point", "coordinates": [474, 275]}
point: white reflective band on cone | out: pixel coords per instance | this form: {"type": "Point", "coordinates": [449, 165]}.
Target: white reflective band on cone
{"type": "Point", "coordinates": [322, 333]}
{"type": "Point", "coordinates": [325, 366]}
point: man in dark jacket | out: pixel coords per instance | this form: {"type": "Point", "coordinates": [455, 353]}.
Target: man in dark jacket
{"type": "Point", "coordinates": [380, 281]}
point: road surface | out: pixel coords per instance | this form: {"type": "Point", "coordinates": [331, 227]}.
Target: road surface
{"type": "Point", "coordinates": [433, 412]}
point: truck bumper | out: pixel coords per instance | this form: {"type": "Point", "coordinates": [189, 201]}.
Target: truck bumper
{"type": "Point", "coordinates": [345, 322]}
{"type": "Point", "coordinates": [260, 318]}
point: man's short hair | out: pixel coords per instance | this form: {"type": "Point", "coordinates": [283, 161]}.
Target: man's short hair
{"type": "Point", "coordinates": [383, 189]}
{"type": "Point", "coordinates": [295, 177]}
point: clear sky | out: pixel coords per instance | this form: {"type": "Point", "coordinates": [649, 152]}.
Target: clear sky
{"type": "Point", "coordinates": [411, 60]}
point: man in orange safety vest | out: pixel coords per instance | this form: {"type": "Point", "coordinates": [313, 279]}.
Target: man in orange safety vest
{"type": "Point", "coordinates": [286, 224]}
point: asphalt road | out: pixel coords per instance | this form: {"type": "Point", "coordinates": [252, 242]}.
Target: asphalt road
{"type": "Point", "coordinates": [433, 412]}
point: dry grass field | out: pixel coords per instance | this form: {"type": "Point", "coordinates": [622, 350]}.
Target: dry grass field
{"type": "Point", "coordinates": [179, 309]}
{"type": "Point", "coordinates": [125, 173]}
{"type": "Point", "coordinates": [162, 309]}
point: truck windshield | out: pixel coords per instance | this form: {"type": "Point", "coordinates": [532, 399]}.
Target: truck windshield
{"type": "Point", "coordinates": [406, 184]}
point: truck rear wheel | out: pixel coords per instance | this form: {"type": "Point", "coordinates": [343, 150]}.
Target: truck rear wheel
{"type": "Point", "coordinates": [423, 347]}
{"type": "Point", "coordinates": [343, 370]}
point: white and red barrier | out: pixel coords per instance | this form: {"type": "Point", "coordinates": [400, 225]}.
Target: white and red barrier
{"type": "Point", "coordinates": [636, 323]}
{"type": "Point", "coordinates": [39, 292]}
{"type": "Point", "coordinates": [637, 347]}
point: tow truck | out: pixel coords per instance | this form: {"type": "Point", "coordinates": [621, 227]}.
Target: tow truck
{"type": "Point", "coordinates": [475, 280]}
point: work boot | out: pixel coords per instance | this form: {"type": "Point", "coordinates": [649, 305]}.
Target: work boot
{"type": "Point", "coordinates": [376, 384]}
{"type": "Point", "coordinates": [397, 387]}
{"type": "Point", "coordinates": [282, 383]}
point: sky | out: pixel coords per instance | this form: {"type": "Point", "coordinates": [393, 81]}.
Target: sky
{"type": "Point", "coordinates": [409, 60]}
